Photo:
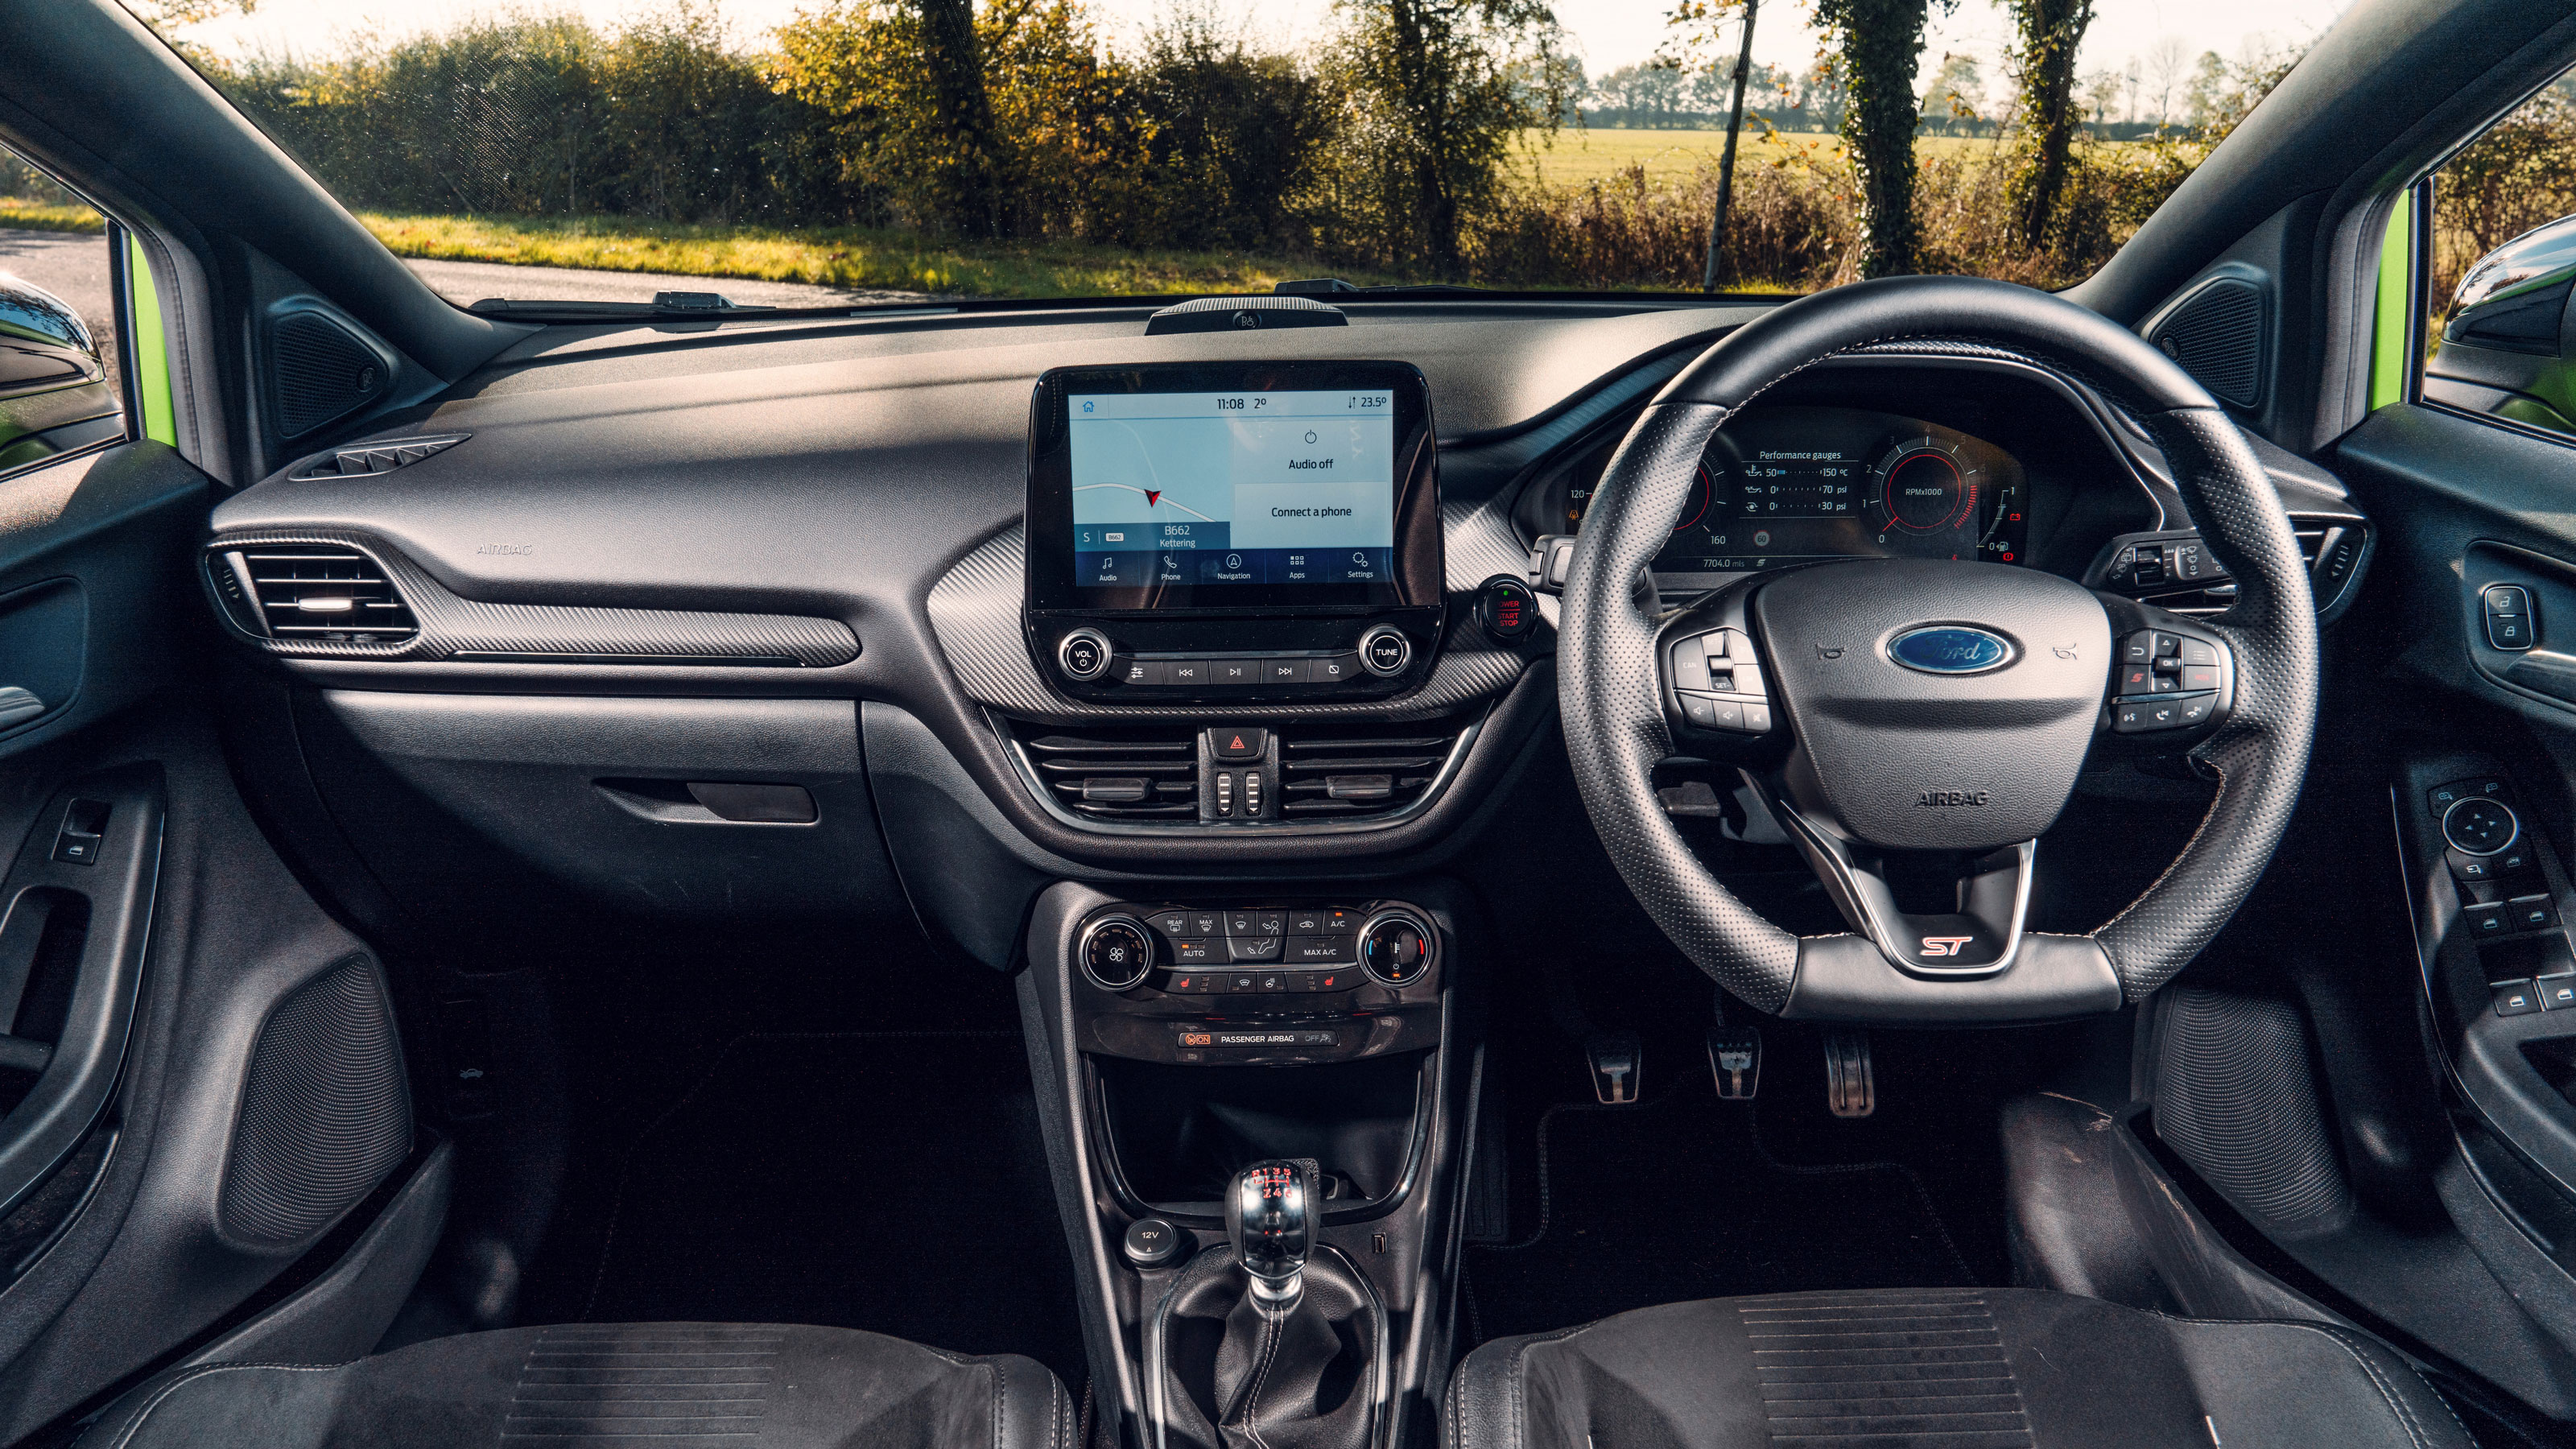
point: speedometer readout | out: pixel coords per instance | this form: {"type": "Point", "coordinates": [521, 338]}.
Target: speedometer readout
{"type": "Point", "coordinates": [1786, 485]}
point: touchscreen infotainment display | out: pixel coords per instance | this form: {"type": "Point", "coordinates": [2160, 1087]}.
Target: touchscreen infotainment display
{"type": "Point", "coordinates": [1201, 489]}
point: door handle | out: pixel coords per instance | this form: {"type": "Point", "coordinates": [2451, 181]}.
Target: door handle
{"type": "Point", "coordinates": [18, 705]}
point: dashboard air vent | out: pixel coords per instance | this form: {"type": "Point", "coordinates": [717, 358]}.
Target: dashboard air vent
{"type": "Point", "coordinates": [1353, 772]}
{"type": "Point", "coordinates": [326, 592]}
{"type": "Point", "coordinates": [366, 460]}
{"type": "Point", "coordinates": [1121, 775]}
{"type": "Point", "coordinates": [2329, 549]}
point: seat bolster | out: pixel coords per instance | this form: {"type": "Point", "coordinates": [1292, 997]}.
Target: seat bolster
{"type": "Point", "coordinates": [223, 1406]}
{"type": "Point", "coordinates": [1030, 1409]}
{"type": "Point", "coordinates": [2316, 1383]}
{"type": "Point", "coordinates": [1486, 1394]}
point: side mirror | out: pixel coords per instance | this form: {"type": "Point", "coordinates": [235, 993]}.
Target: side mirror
{"type": "Point", "coordinates": [55, 392]}
{"type": "Point", "coordinates": [2509, 345]}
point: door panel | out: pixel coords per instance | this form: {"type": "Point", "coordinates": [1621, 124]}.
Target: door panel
{"type": "Point", "coordinates": [172, 1002]}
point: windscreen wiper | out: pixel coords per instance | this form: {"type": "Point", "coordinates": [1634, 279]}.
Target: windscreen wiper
{"type": "Point", "coordinates": [1327, 286]}
{"type": "Point", "coordinates": [663, 305]}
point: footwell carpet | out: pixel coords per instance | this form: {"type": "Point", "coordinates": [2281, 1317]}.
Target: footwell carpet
{"type": "Point", "coordinates": [1675, 1199]}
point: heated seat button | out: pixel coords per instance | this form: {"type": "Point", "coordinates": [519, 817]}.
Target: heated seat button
{"type": "Point", "coordinates": [2515, 998]}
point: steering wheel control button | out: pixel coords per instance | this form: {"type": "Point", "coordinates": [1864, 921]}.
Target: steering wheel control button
{"type": "Point", "coordinates": [1384, 651]}
{"type": "Point", "coordinates": [1395, 948]}
{"type": "Point", "coordinates": [2198, 651]}
{"type": "Point", "coordinates": [2480, 826]}
{"type": "Point", "coordinates": [2516, 998]}
{"type": "Point", "coordinates": [1083, 654]}
{"type": "Point", "coordinates": [1153, 1243]}
{"type": "Point", "coordinates": [1690, 665]}
{"type": "Point", "coordinates": [1116, 952]}
{"type": "Point", "coordinates": [1507, 608]}
{"type": "Point", "coordinates": [1237, 744]}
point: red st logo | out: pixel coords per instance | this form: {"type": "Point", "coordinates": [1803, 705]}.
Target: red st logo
{"type": "Point", "coordinates": [1944, 945]}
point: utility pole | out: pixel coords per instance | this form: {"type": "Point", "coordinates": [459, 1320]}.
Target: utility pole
{"type": "Point", "coordinates": [1726, 163]}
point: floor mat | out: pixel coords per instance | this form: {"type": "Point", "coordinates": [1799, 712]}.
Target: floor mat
{"type": "Point", "coordinates": [1675, 1199]}
{"type": "Point", "coordinates": [891, 1181]}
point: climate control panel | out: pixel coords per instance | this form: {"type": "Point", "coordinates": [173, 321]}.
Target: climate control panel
{"type": "Point", "coordinates": [1262, 984]}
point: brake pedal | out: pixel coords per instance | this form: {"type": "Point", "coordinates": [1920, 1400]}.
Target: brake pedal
{"type": "Point", "coordinates": [1849, 1089]}
{"type": "Point", "coordinates": [1735, 1058]}
{"type": "Point", "coordinates": [1616, 1058]}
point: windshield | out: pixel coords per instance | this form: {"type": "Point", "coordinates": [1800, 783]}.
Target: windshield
{"type": "Point", "coordinates": [840, 153]}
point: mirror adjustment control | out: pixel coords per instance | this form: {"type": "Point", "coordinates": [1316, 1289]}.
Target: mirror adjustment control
{"type": "Point", "coordinates": [2480, 826]}
{"type": "Point", "coordinates": [1083, 654]}
{"type": "Point", "coordinates": [1396, 948]}
{"type": "Point", "coordinates": [1116, 952]}
{"type": "Point", "coordinates": [1384, 651]}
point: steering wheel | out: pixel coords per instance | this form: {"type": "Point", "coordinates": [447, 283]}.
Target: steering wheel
{"type": "Point", "coordinates": [1903, 719]}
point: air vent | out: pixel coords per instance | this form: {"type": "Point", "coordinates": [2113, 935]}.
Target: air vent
{"type": "Point", "coordinates": [366, 460]}
{"type": "Point", "coordinates": [1121, 775]}
{"type": "Point", "coordinates": [323, 592]}
{"type": "Point", "coordinates": [1352, 773]}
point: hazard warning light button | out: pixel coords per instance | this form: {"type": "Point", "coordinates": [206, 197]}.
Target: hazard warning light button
{"type": "Point", "coordinates": [1237, 744]}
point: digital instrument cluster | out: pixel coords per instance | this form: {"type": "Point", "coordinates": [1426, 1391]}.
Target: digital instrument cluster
{"type": "Point", "coordinates": [1786, 485]}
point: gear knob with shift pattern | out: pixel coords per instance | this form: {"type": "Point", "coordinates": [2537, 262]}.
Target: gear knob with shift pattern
{"type": "Point", "coordinates": [1271, 1217]}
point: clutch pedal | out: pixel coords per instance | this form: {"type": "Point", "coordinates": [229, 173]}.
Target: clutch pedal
{"type": "Point", "coordinates": [1849, 1089]}
{"type": "Point", "coordinates": [1616, 1058]}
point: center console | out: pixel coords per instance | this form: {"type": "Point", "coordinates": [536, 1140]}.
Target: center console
{"type": "Point", "coordinates": [1206, 1053]}
{"type": "Point", "coordinates": [1233, 533]}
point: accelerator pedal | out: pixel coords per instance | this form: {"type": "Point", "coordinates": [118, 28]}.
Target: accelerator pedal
{"type": "Point", "coordinates": [1849, 1087]}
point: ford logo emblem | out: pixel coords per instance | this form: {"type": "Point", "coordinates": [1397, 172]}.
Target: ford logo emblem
{"type": "Point", "coordinates": [1950, 649]}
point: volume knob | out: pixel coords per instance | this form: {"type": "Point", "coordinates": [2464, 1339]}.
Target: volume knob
{"type": "Point", "coordinates": [1083, 654]}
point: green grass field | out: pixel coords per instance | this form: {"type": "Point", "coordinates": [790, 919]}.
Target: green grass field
{"type": "Point", "coordinates": [1578, 156]}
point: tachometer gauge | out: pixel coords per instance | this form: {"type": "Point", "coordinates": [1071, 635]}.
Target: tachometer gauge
{"type": "Point", "coordinates": [1933, 495]}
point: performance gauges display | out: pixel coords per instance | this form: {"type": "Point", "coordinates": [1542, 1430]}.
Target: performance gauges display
{"type": "Point", "coordinates": [1787, 485]}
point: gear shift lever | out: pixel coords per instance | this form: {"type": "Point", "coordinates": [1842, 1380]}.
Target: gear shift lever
{"type": "Point", "coordinates": [1270, 1219]}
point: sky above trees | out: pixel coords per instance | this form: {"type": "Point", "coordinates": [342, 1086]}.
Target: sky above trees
{"type": "Point", "coordinates": [2155, 35]}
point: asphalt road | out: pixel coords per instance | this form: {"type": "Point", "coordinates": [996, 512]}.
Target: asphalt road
{"type": "Point", "coordinates": [73, 266]}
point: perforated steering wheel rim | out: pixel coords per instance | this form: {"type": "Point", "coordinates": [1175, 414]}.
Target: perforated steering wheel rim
{"type": "Point", "coordinates": [1616, 727]}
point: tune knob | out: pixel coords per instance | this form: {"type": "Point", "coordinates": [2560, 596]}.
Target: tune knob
{"type": "Point", "coordinates": [1396, 948]}
{"type": "Point", "coordinates": [1116, 952]}
{"type": "Point", "coordinates": [1384, 651]}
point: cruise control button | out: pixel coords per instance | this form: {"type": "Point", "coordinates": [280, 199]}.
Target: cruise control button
{"type": "Point", "coordinates": [2199, 677]}
{"type": "Point", "coordinates": [1320, 950]}
{"type": "Point", "coordinates": [1255, 948]}
{"type": "Point", "coordinates": [2516, 998]}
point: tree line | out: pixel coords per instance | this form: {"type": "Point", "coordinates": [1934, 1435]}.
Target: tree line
{"type": "Point", "coordinates": [1390, 147]}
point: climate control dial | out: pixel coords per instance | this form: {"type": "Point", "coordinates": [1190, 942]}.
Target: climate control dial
{"type": "Point", "coordinates": [1396, 948]}
{"type": "Point", "coordinates": [1116, 952]}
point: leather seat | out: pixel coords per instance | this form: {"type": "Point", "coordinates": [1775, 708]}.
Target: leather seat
{"type": "Point", "coordinates": [1940, 1369]}
{"type": "Point", "coordinates": [674, 1385]}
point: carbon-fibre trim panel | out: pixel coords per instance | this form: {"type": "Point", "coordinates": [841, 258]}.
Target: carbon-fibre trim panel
{"type": "Point", "coordinates": [975, 611]}
{"type": "Point", "coordinates": [452, 626]}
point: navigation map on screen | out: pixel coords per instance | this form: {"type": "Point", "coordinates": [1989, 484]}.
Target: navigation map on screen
{"type": "Point", "coordinates": [1214, 488]}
